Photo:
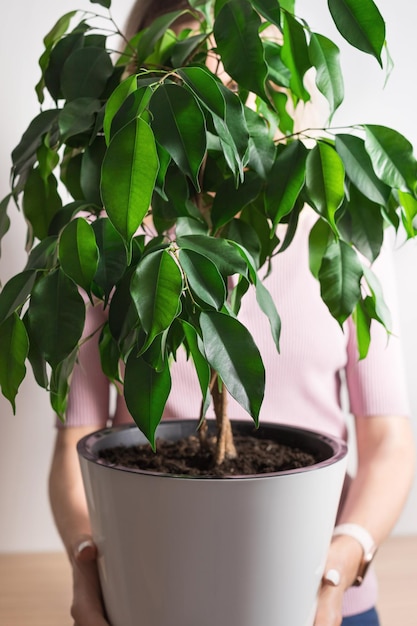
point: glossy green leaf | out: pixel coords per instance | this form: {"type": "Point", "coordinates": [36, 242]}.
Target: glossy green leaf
{"type": "Point", "coordinates": [154, 33]}
{"type": "Point", "coordinates": [236, 31]}
{"type": "Point", "coordinates": [381, 310]}
{"type": "Point", "coordinates": [325, 177]}
{"type": "Point", "coordinates": [392, 157]}
{"type": "Point", "coordinates": [41, 201]}
{"type": "Point", "coordinates": [146, 392]}
{"type": "Point", "coordinates": [117, 98]}
{"type": "Point", "coordinates": [59, 385]}
{"type": "Point", "coordinates": [56, 316]}
{"type": "Point", "coordinates": [233, 134]}
{"type": "Point", "coordinates": [57, 58]}
{"type": "Point", "coordinates": [324, 55]}
{"type": "Point", "coordinates": [223, 254]}
{"type": "Point", "coordinates": [90, 174]}
{"type": "Point", "coordinates": [201, 366]}
{"type": "Point", "coordinates": [133, 107]}
{"type": "Point", "coordinates": [358, 166]}
{"type": "Point", "coordinates": [367, 224]}
{"type": "Point", "coordinates": [37, 362]}
{"type": "Point", "coordinates": [123, 316]}
{"type": "Point", "coordinates": [15, 293]}
{"type": "Point", "coordinates": [340, 275]}
{"type": "Point", "coordinates": [43, 256]}
{"type": "Point", "coordinates": [285, 181]}
{"type": "Point", "coordinates": [295, 55]}
{"type": "Point", "coordinates": [78, 116]}
{"type": "Point", "coordinates": [203, 278]}
{"type": "Point", "coordinates": [183, 50]}
{"type": "Point", "coordinates": [4, 218]}
{"type": "Point", "coordinates": [362, 321]}
{"type": "Point", "coordinates": [78, 253]}
{"type": "Point", "coordinates": [269, 9]}
{"type": "Point", "coordinates": [361, 24]}
{"type": "Point", "coordinates": [112, 256]}
{"type": "Point", "coordinates": [319, 239]}
{"type": "Point", "coordinates": [103, 3]}
{"type": "Point", "coordinates": [261, 154]}
{"type": "Point", "coordinates": [85, 73]}
{"type": "Point", "coordinates": [408, 205]}
{"type": "Point", "coordinates": [129, 172]}
{"type": "Point", "coordinates": [225, 340]}
{"type": "Point", "coordinates": [14, 346]}
{"type": "Point", "coordinates": [267, 306]}
{"type": "Point", "coordinates": [25, 151]}
{"type": "Point", "coordinates": [179, 126]}
{"type": "Point", "coordinates": [205, 87]}
{"type": "Point", "coordinates": [229, 200]}
{"type": "Point", "coordinates": [109, 354]}
{"type": "Point", "coordinates": [156, 287]}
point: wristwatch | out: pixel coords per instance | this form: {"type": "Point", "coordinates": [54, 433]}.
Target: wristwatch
{"type": "Point", "coordinates": [365, 539]}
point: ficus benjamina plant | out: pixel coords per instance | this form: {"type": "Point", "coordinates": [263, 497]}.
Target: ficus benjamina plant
{"type": "Point", "coordinates": [153, 181]}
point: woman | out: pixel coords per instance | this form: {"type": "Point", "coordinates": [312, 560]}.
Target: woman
{"type": "Point", "coordinates": [304, 383]}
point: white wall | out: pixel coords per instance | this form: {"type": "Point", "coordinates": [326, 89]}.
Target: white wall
{"type": "Point", "coordinates": [26, 439]}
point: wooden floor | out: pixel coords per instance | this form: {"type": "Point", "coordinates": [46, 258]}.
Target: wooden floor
{"type": "Point", "coordinates": [35, 589]}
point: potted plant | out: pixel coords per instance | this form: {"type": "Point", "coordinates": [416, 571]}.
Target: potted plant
{"type": "Point", "coordinates": [222, 164]}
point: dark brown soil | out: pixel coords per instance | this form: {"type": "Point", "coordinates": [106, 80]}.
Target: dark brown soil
{"type": "Point", "coordinates": [184, 457]}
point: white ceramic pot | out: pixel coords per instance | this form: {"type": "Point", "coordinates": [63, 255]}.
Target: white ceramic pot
{"type": "Point", "coordinates": [244, 551]}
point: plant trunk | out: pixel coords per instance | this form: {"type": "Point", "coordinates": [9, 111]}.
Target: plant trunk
{"type": "Point", "coordinates": [225, 447]}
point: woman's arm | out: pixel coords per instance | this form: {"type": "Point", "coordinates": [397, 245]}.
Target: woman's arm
{"type": "Point", "coordinates": [69, 508]}
{"type": "Point", "coordinates": [386, 457]}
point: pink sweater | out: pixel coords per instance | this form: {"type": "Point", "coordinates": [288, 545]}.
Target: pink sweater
{"type": "Point", "coordinates": [303, 382]}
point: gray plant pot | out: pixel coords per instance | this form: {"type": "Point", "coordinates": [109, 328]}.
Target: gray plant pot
{"type": "Point", "coordinates": [244, 551]}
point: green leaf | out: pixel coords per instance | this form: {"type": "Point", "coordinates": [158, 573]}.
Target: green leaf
{"type": "Point", "coordinates": [205, 87]}
{"type": "Point", "coordinates": [236, 31]}
{"type": "Point", "coordinates": [41, 201]}
{"type": "Point", "coordinates": [285, 181]}
{"type": "Point", "coordinates": [133, 107]}
{"type": "Point", "coordinates": [229, 201]}
{"type": "Point", "coordinates": [78, 116]}
{"type": "Point", "coordinates": [123, 316]}
{"type": "Point", "coordinates": [56, 316]}
{"type": "Point", "coordinates": [43, 256]}
{"type": "Point", "coordinates": [117, 98]}
{"type": "Point", "coordinates": [109, 355]}
{"type": "Point", "coordinates": [156, 288]}
{"type": "Point", "coordinates": [201, 366]}
{"type": "Point", "coordinates": [112, 261]}
{"type": "Point", "coordinates": [367, 224]}
{"type": "Point", "coordinates": [104, 3]}
{"type": "Point", "coordinates": [325, 176]}
{"type": "Point", "coordinates": [129, 172]}
{"type": "Point", "coordinates": [179, 126]}
{"type": "Point", "coordinates": [270, 10]}
{"type": "Point", "coordinates": [60, 383]}
{"type": "Point", "coordinates": [340, 275]}
{"type": "Point", "coordinates": [85, 73]}
{"type": "Point", "coordinates": [153, 33]}
{"type": "Point", "coordinates": [295, 55]}
{"type": "Point", "coordinates": [319, 239]}
{"type": "Point", "coordinates": [324, 56]}
{"type": "Point", "coordinates": [54, 62]}
{"type": "Point", "coordinates": [225, 340]}
{"type": "Point", "coordinates": [146, 392]}
{"type": "Point", "coordinates": [361, 24]}
{"type": "Point", "coordinates": [37, 362]}
{"type": "Point", "coordinates": [223, 254]}
{"type": "Point", "coordinates": [267, 306]}
{"type": "Point", "coordinates": [233, 133]}
{"type": "Point", "coordinates": [358, 166]}
{"type": "Point", "coordinates": [14, 346]}
{"type": "Point", "coordinates": [362, 321]}
{"type": "Point", "coordinates": [32, 138]}
{"type": "Point", "coordinates": [381, 311]}
{"type": "Point", "coordinates": [4, 218]}
{"type": "Point", "coordinates": [203, 278]}
{"type": "Point", "coordinates": [262, 149]}
{"type": "Point", "coordinates": [90, 174]}
{"type": "Point", "coordinates": [392, 157]}
{"type": "Point", "coordinates": [408, 205]}
{"type": "Point", "coordinates": [78, 253]}
{"type": "Point", "coordinates": [15, 292]}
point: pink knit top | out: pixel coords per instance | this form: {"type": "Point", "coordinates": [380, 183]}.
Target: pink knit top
{"type": "Point", "coordinates": [303, 382]}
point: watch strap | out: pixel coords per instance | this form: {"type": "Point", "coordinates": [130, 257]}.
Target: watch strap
{"type": "Point", "coordinates": [367, 543]}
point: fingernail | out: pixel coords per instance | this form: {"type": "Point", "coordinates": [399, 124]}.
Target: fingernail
{"type": "Point", "coordinates": [332, 577]}
{"type": "Point", "coordinates": [84, 545]}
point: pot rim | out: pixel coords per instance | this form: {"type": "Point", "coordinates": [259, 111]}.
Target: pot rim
{"type": "Point", "coordinates": [89, 446]}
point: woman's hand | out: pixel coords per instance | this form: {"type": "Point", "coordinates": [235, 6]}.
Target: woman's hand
{"type": "Point", "coordinates": [87, 606]}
